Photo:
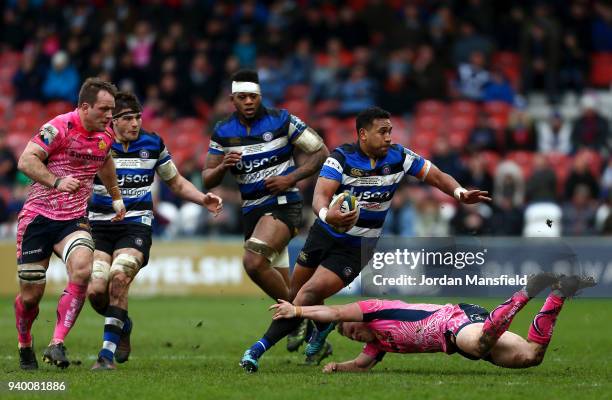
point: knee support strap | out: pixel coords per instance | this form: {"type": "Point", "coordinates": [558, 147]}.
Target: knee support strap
{"type": "Point", "coordinates": [281, 260]}
{"type": "Point", "coordinates": [260, 247]}
{"type": "Point", "coordinates": [125, 263]}
{"type": "Point", "coordinates": [101, 270]}
{"type": "Point", "coordinates": [33, 274]}
{"type": "Point", "coordinates": [83, 239]}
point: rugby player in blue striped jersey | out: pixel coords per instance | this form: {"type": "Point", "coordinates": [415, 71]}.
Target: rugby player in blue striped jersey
{"type": "Point", "coordinates": [256, 145]}
{"type": "Point", "coordinates": [122, 248]}
{"type": "Point", "coordinates": [371, 169]}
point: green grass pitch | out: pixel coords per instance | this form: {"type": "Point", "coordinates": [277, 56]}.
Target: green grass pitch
{"type": "Point", "coordinates": [177, 357]}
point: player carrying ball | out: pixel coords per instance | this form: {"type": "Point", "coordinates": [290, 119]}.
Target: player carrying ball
{"type": "Point", "coordinates": [331, 258]}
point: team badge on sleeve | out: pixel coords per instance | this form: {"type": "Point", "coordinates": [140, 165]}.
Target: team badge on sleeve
{"type": "Point", "coordinates": [48, 133]}
{"type": "Point", "coordinates": [101, 144]}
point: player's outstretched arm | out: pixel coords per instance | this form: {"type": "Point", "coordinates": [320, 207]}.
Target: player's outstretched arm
{"type": "Point", "coordinates": [187, 191]}
{"type": "Point", "coordinates": [108, 176]}
{"type": "Point", "coordinates": [310, 143]}
{"type": "Point", "coordinates": [342, 313]}
{"type": "Point", "coordinates": [216, 166]}
{"type": "Point", "coordinates": [362, 363]}
{"type": "Point", "coordinates": [451, 187]}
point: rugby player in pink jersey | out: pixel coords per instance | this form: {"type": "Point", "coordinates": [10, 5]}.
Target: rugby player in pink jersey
{"type": "Point", "coordinates": [62, 160]}
{"type": "Point", "coordinates": [468, 329]}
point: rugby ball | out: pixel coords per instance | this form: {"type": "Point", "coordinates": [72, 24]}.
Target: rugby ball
{"type": "Point", "coordinates": [348, 203]}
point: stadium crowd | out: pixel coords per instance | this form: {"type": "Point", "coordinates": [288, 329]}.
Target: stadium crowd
{"type": "Point", "coordinates": [497, 94]}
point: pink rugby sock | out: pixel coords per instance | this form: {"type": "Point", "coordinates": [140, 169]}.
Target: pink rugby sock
{"type": "Point", "coordinates": [499, 319]}
{"type": "Point", "coordinates": [541, 328]}
{"type": "Point", "coordinates": [68, 309]}
{"type": "Point", "coordinates": [24, 319]}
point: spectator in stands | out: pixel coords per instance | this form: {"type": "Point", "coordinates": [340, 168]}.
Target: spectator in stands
{"type": "Point", "coordinates": [411, 29]}
{"type": "Point", "coordinates": [140, 44]}
{"type": "Point", "coordinates": [448, 160]}
{"type": "Point", "coordinates": [520, 135]}
{"type": "Point", "coordinates": [606, 180]}
{"type": "Point", "coordinates": [482, 137]}
{"type": "Point", "coordinates": [507, 219]}
{"type": "Point", "coordinates": [591, 130]}
{"type": "Point", "coordinates": [471, 219]}
{"type": "Point", "coordinates": [498, 88]}
{"type": "Point", "coordinates": [574, 64]}
{"type": "Point", "coordinates": [473, 77]}
{"type": "Point", "coordinates": [429, 221]}
{"type": "Point", "coordinates": [8, 162]}
{"type": "Point", "coordinates": [202, 80]}
{"type": "Point", "coordinates": [581, 175]}
{"type": "Point", "coordinates": [509, 182]}
{"type": "Point", "coordinates": [477, 175]}
{"type": "Point", "coordinates": [468, 42]}
{"type": "Point", "coordinates": [542, 184]}
{"type": "Point", "coordinates": [271, 80]}
{"type": "Point", "coordinates": [427, 76]}
{"type": "Point", "coordinates": [357, 92]}
{"type": "Point", "coordinates": [174, 102]}
{"type": "Point", "coordinates": [579, 214]}
{"type": "Point", "coordinates": [539, 51]}
{"type": "Point", "coordinates": [602, 27]}
{"type": "Point", "coordinates": [245, 50]}
{"type": "Point", "coordinates": [554, 135]}
{"type": "Point", "coordinates": [298, 66]}
{"type": "Point", "coordinates": [28, 79]}
{"type": "Point", "coordinates": [396, 96]}
{"type": "Point", "coordinates": [62, 80]}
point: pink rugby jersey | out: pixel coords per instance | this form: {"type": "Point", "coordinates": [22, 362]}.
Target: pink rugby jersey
{"type": "Point", "coordinates": [409, 328]}
{"type": "Point", "coordinates": [71, 150]}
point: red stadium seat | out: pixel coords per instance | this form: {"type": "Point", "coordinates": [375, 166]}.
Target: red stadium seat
{"type": "Point", "coordinates": [458, 139]}
{"type": "Point", "coordinates": [428, 123]}
{"type": "Point", "coordinates": [461, 122]}
{"type": "Point", "coordinates": [325, 107]}
{"type": "Point", "coordinates": [499, 108]}
{"type": "Point", "coordinates": [297, 92]}
{"type": "Point", "coordinates": [5, 105]}
{"type": "Point", "coordinates": [25, 123]}
{"type": "Point", "coordinates": [31, 109]}
{"type": "Point", "coordinates": [491, 160]}
{"type": "Point", "coordinates": [297, 107]}
{"type": "Point", "coordinates": [55, 108]}
{"type": "Point", "coordinates": [524, 159]}
{"type": "Point", "coordinates": [161, 126]}
{"type": "Point", "coordinates": [431, 107]}
{"type": "Point", "coordinates": [188, 124]}
{"type": "Point", "coordinates": [17, 143]}
{"type": "Point", "coordinates": [593, 159]}
{"type": "Point", "coordinates": [464, 107]}
{"type": "Point", "coordinates": [601, 69]}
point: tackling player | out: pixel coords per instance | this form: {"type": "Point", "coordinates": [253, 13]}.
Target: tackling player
{"type": "Point", "coordinates": [371, 169]}
{"type": "Point", "coordinates": [123, 248]}
{"type": "Point", "coordinates": [256, 144]}
{"type": "Point", "coordinates": [62, 160]}
{"type": "Point", "coordinates": [397, 327]}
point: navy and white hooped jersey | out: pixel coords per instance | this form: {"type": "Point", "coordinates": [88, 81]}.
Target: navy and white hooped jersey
{"type": "Point", "coordinates": [135, 174]}
{"type": "Point", "coordinates": [267, 150]}
{"type": "Point", "coordinates": [373, 185]}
